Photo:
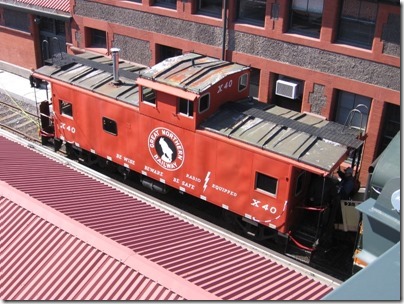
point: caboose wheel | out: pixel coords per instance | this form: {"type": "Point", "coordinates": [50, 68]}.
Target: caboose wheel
{"type": "Point", "coordinates": [247, 227]}
{"type": "Point", "coordinates": [230, 220]}
{"type": "Point", "coordinates": [44, 140]}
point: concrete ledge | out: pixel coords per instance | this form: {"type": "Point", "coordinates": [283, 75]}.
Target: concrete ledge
{"type": "Point", "coordinates": [15, 69]}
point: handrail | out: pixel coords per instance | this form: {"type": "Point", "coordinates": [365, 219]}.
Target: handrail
{"type": "Point", "coordinates": [351, 115]}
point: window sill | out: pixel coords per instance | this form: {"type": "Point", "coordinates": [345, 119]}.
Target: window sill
{"type": "Point", "coordinates": [308, 34]}
{"type": "Point", "coordinates": [252, 22]}
{"type": "Point", "coordinates": [353, 45]}
{"type": "Point", "coordinates": [15, 30]}
{"type": "Point", "coordinates": [207, 13]}
{"type": "Point", "coordinates": [102, 51]}
{"type": "Point", "coordinates": [166, 6]}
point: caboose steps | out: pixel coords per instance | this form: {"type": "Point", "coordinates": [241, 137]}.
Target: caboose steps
{"type": "Point", "coordinates": [303, 242]}
{"type": "Point", "coordinates": [306, 235]}
{"type": "Point", "coordinates": [298, 254]}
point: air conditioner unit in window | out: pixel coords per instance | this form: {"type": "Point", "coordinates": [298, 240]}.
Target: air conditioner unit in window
{"type": "Point", "coordinates": [287, 88]}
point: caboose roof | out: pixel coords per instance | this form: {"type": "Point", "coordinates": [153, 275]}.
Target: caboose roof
{"type": "Point", "coordinates": [191, 72]}
{"type": "Point", "coordinates": [303, 137]}
{"type": "Point", "coordinates": [94, 72]}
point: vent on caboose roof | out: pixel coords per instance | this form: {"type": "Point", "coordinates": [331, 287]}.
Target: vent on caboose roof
{"type": "Point", "coordinates": [115, 64]}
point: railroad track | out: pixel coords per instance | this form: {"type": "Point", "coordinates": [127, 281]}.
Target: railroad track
{"type": "Point", "coordinates": [18, 118]}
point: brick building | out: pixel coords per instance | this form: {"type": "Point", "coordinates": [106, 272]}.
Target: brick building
{"type": "Point", "coordinates": [31, 32]}
{"type": "Point", "coordinates": [328, 57]}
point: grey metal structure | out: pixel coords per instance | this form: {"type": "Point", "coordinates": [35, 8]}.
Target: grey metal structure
{"type": "Point", "coordinates": [380, 237]}
{"type": "Point", "coordinates": [380, 281]}
{"type": "Point", "coordinates": [385, 167]}
{"type": "Point", "coordinates": [381, 222]}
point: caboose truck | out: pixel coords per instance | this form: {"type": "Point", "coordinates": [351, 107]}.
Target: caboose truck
{"type": "Point", "coordinates": [188, 123]}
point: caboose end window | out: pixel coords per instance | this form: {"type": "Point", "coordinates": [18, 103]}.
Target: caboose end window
{"type": "Point", "coordinates": [242, 82]}
{"type": "Point", "coordinates": [186, 107]}
{"type": "Point", "coordinates": [66, 108]}
{"type": "Point", "coordinates": [148, 95]}
{"type": "Point", "coordinates": [204, 103]}
{"type": "Point", "coordinates": [266, 183]}
{"type": "Point", "coordinates": [109, 126]}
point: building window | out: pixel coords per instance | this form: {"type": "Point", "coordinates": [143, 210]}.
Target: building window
{"type": "Point", "coordinates": [97, 38]}
{"type": "Point", "coordinates": [46, 24]}
{"type": "Point", "coordinates": [242, 82]}
{"type": "Point", "coordinates": [166, 3]}
{"type": "Point", "coordinates": [186, 107]}
{"type": "Point", "coordinates": [254, 82]}
{"type": "Point", "coordinates": [51, 26]}
{"type": "Point", "coordinates": [109, 126]}
{"type": "Point", "coordinates": [358, 22]}
{"type": "Point", "coordinates": [266, 183]}
{"type": "Point", "coordinates": [165, 52]}
{"type": "Point", "coordinates": [204, 103]}
{"type": "Point", "coordinates": [306, 17]}
{"type": "Point", "coordinates": [16, 20]}
{"type": "Point", "coordinates": [60, 28]}
{"type": "Point", "coordinates": [391, 125]}
{"type": "Point", "coordinates": [210, 7]}
{"type": "Point", "coordinates": [348, 108]}
{"type": "Point", "coordinates": [148, 95]}
{"type": "Point", "coordinates": [66, 108]}
{"type": "Point", "coordinates": [251, 11]}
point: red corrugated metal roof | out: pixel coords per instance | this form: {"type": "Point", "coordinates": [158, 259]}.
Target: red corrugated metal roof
{"type": "Point", "coordinates": [59, 5]}
{"type": "Point", "coordinates": [41, 262]}
{"type": "Point", "coordinates": [216, 265]}
{"type": "Point", "coordinates": [45, 255]}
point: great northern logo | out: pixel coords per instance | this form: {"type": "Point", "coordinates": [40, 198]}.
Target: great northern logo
{"type": "Point", "coordinates": [166, 149]}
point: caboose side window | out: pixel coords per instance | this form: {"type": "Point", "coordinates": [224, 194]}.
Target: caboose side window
{"type": "Point", "coordinates": [204, 103]}
{"type": "Point", "coordinates": [186, 107]}
{"type": "Point", "coordinates": [109, 126]}
{"type": "Point", "coordinates": [242, 82]}
{"type": "Point", "coordinates": [66, 108]}
{"type": "Point", "coordinates": [148, 95]}
{"type": "Point", "coordinates": [266, 183]}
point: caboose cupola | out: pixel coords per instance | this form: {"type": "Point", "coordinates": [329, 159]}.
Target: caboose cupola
{"type": "Point", "coordinates": [187, 89]}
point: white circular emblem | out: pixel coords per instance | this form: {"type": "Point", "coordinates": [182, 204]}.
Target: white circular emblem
{"type": "Point", "coordinates": [166, 149]}
{"type": "Point", "coordinates": [395, 200]}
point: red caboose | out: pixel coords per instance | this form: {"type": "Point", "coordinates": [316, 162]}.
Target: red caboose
{"type": "Point", "coordinates": [188, 123]}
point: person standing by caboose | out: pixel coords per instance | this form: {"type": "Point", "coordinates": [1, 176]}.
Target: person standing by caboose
{"type": "Point", "coordinates": [34, 82]}
{"type": "Point", "coordinates": [347, 183]}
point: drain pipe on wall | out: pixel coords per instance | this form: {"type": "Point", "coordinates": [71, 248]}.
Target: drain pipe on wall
{"type": "Point", "coordinates": [224, 30]}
